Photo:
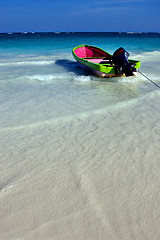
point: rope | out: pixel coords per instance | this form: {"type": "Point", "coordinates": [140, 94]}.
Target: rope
{"type": "Point", "coordinates": [149, 79]}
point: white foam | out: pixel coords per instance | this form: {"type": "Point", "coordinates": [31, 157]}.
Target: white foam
{"type": "Point", "coordinates": [139, 78]}
{"type": "Point", "coordinates": [82, 78]}
{"type": "Point", "coordinates": [48, 77]}
{"type": "Point", "coordinates": [41, 77]}
{"type": "Point", "coordinates": [27, 63]}
{"type": "Point", "coordinates": [133, 79]}
{"type": "Point", "coordinates": [148, 56]}
{"type": "Point", "coordinates": [6, 188]}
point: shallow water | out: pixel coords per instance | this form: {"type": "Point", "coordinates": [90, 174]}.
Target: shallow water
{"type": "Point", "coordinates": [79, 154]}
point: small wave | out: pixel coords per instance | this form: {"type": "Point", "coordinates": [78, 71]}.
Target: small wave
{"type": "Point", "coordinates": [40, 77]}
{"type": "Point", "coordinates": [132, 79]}
{"type": "Point", "coordinates": [148, 56]}
{"type": "Point", "coordinates": [82, 78]}
{"type": "Point", "coordinates": [68, 75]}
{"type": "Point", "coordinates": [48, 77]}
{"type": "Point", "coordinates": [6, 188]}
{"type": "Point", "coordinates": [27, 63]}
{"type": "Point", "coordinates": [140, 78]}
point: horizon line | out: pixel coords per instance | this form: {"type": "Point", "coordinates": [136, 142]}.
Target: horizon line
{"type": "Point", "coordinates": [71, 32]}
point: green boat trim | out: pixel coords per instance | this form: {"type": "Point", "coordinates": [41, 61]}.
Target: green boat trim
{"type": "Point", "coordinates": [98, 61]}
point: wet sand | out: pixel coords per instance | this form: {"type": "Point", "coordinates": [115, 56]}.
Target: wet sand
{"type": "Point", "coordinates": [92, 176]}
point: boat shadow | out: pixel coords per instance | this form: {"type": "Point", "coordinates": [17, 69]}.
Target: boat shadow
{"type": "Point", "coordinates": [72, 66]}
{"type": "Point", "coordinates": [120, 91]}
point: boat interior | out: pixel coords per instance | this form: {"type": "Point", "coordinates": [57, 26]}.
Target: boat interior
{"type": "Point", "coordinates": [94, 55]}
{"type": "Point", "coordinates": [103, 61]}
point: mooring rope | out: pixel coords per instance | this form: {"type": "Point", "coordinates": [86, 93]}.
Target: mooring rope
{"type": "Point", "coordinates": [149, 79]}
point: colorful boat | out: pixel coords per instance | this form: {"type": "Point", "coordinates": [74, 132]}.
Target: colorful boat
{"type": "Point", "coordinates": [103, 64]}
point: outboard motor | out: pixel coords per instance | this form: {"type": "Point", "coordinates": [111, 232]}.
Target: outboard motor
{"type": "Point", "coordinates": [123, 66]}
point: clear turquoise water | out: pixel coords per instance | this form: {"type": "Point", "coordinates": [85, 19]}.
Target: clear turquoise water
{"type": "Point", "coordinates": [50, 43]}
{"type": "Point", "coordinates": [39, 79]}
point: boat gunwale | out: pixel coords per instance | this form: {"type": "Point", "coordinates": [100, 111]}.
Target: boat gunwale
{"type": "Point", "coordinates": [104, 68]}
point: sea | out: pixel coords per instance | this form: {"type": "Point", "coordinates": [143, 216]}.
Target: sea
{"type": "Point", "coordinates": [79, 154]}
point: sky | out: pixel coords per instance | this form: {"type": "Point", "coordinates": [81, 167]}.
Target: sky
{"type": "Point", "coordinates": [79, 16]}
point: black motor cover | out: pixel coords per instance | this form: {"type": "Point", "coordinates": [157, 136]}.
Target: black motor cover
{"type": "Point", "coordinates": [120, 59]}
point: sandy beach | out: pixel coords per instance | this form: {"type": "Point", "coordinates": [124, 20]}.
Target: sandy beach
{"type": "Point", "coordinates": [92, 176]}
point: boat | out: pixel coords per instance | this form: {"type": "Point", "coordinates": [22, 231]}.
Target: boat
{"type": "Point", "coordinates": [104, 64]}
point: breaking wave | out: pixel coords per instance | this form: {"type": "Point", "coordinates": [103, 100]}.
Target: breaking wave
{"type": "Point", "coordinates": [27, 63]}
{"type": "Point", "coordinates": [70, 76]}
